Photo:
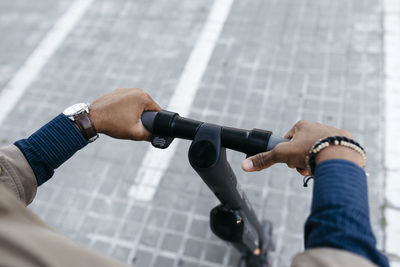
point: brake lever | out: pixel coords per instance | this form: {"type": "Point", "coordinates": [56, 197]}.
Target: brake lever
{"type": "Point", "coordinates": [161, 141]}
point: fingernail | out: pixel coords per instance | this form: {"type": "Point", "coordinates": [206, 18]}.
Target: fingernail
{"type": "Point", "coordinates": [247, 164]}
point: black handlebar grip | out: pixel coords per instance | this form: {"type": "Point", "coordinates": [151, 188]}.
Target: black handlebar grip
{"type": "Point", "coordinates": [274, 141]}
{"type": "Point", "coordinates": [148, 120]}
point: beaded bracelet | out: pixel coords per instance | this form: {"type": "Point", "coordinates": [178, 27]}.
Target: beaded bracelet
{"type": "Point", "coordinates": [329, 141]}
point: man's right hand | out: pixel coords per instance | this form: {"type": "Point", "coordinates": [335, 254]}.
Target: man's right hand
{"type": "Point", "coordinates": [303, 135]}
{"type": "Point", "coordinates": [117, 113]}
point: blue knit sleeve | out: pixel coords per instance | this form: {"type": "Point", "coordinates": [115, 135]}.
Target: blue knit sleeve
{"type": "Point", "coordinates": [51, 146]}
{"type": "Point", "coordinates": [340, 212]}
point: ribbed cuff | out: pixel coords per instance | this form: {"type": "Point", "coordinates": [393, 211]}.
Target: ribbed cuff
{"type": "Point", "coordinates": [339, 182]}
{"type": "Point", "coordinates": [51, 146]}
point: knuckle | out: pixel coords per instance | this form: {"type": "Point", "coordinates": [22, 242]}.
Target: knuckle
{"type": "Point", "coordinates": [301, 123]}
{"type": "Point", "coordinates": [146, 96]}
{"type": "Point", "coordinates": [135, 91]}
{"type": "Point", "coordinates": [259, 161]}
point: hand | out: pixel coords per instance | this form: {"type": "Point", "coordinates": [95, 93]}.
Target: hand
{"type": "Point", "coordinates": [303, 135]}
{"type": "Point", "coordinates": [117, 113]}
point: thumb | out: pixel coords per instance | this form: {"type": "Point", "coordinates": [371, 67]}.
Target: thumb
{"type": "Point", "coordinates": [279, 154]}
{"type": "Point", "coordinates": [140, 133]}
{"type": "Point", "coordinates": [258, 162]}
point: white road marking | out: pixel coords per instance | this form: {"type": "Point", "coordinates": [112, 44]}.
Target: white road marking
{"type": "Point", "coordinates": [156, 161]}
{"type": "Point", "coordinates": [392, 138]}
{"type": "Point", "coordinates": [32, 67]}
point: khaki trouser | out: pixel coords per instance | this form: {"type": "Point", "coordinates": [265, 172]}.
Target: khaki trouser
{"type": "Point", "coordinates": [26, 241]}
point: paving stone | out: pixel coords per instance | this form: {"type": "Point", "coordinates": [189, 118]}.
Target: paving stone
{"type": "Point", "coordinates": [157, 218]}
{"type": "Point", "coordinates": [142, 258]}
{"type": "Point", "coordinates": [107, 227]}
{"type": "Point", "coordinates": [162, 261]}
{"type": "Point", "coordinates": [171, 242]}
{"type": "Point", "coordinates": [215, 253]}
{"type": "Point", "coordinates": [121, 253]}
{"type": "Point", "coordinates": [150, 237]}
{"type": "Point", "coordinates": [129, 231]}
{"type": "Point", "coordinates": [177, 222]}
{"type": "Point", "coordinates": [102, 246]}
{"type": "Point", "coordinates": [199, 227]}
{"type": "Point", "coordinates": [193, 248]}
{"type": "Point", "coordinates": [188, 264]}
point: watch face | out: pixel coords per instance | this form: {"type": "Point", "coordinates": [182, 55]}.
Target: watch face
{"type": "Point", "coordinates": [72, 110]}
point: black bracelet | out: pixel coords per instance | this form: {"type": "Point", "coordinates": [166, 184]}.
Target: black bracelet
{"type": "Point", "coordinates": [329, 141]}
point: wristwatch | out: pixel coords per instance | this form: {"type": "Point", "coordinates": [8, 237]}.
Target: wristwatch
{"type": "Point", "coordinates": [79, 114]}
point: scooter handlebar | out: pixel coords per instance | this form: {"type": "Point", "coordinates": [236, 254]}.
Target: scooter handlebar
{"type": "Point", "coordinates": [171, 125]}
{"type": "Point", "coordinates": [275, 140]}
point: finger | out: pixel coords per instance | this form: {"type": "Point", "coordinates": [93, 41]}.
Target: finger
{"type": "Point", "coordinates": [303, 172]}
{"type": "Point", "coordinates": [279, 154]}
{"type": "Point", "coordinates": [150, 104]}
{"type": "Point", "coordinates": [290, 166]}
{"type": "Point", "coordinates": [154, 107]}
{"type": "Point", "coordinates": [290, 133]}
{"type": "Point", "coordinates": [142, 134]}
{"type": "Point", "coordinates": [259, 161]}
{"type": "Point", "coordinates": [146, 136]}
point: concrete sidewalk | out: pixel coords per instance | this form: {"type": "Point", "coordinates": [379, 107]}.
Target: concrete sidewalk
{"type": "Point", "coordinates": [275, 62]}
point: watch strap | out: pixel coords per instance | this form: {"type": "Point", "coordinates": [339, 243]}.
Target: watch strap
{"type": "Point", "coordinates": [86, 126]}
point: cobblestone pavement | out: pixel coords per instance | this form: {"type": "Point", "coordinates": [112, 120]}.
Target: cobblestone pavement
{"type": "Point", "coordinates": [22, 26]}
{"type": "Point", "coordinates": [274, 63]}
{"type": "Point", "coordinates": [392, 133]}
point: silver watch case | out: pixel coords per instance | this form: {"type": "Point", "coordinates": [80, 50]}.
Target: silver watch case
{"type": "Point", "coordinates": [76, 109]}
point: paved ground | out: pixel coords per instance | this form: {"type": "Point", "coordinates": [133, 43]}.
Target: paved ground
{"type": "Point", "coordinates": [274, 63]}
{"type": "Point", "coordinates": [22, 26]}
{"type": "Point", "coordinates": [392, 133]}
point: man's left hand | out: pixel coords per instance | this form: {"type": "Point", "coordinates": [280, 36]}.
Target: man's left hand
{"type": "Point", "coordinates": [117, 113]}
